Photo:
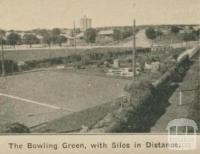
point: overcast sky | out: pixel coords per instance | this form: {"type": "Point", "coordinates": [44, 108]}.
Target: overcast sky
{"type": "Point", "coordinates": [29, 14]}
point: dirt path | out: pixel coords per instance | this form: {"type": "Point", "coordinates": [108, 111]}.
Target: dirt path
{"type": "Point", "coordinates": [141, 39]}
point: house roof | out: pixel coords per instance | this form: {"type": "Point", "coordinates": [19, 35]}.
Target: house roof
{"type": "Point", "coordinates": [68, 36]}
{"type": "Point", "coordinates": [106, 32]}
{"type": "Point", "coordinates": [196, 27]}
{"type": "Point", "coordinates": [80, 35]}
{"type": "Point", "coordinates": [39, 36]}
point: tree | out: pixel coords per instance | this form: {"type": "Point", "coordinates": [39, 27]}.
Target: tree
{"type": "Point", "coordinates": [13, 39]}
{"type": "Point", "coordinates": [175, 29]}
{"type": "Point", "coordinates": [46, 36]}
{"type": "Point", "coordinates": [55, 37]}
{"type": "Point", "coordinates": [56, 32]}
{"type": "Point", "coordinates": [150, 33]}
{"type": "Point", "coordinates": [189, 37]}
{"type": "Point", "coordinates": [30, 39]}
{"type": "Point", "coordinates": [61, 39]}
{"type": "Point", "coordinates": [158, 33]}
{"type": "Point", "coordinates": [90, 35]}
{"type": "Point", "coordinates": [127, 32]}
{"type": "Point", "coordinates": [117, 34]}
{"type": "Point", "coordinates": [14, 128]}
{"type": "Point", "coordinates": [41, 32]}
{"type": "Point", "coordinates": [47, 39]}
{"type": "Point", "coordinates": [2, 35]}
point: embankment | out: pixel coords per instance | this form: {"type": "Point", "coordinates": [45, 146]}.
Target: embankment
{"type": "Point", "coordinates": [145, 104]}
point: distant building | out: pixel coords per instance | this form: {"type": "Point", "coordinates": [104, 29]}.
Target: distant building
{"type": "Point", "coordinates": [196, 27]}
{"type": "Point", "coordinates": [116, 63]}
{"type": "Point", "coordinates": [106, 33]}
{"type": "Point", "coordinates": [123, 72]}
{"type": "Point", "coordinates": [183, 31]}
{"type": "Point", "coordinates": [153, 66]}
{"type": "Point", "coordinates": [165, 31]}
{"type": "Point", "coordinates": [80, 35]}
{"type": "Point", "coordinates": [40, 37]}
{"type": "Point", "coordinates": [85, 23]}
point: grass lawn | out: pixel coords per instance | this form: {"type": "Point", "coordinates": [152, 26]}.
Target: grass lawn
{"type": "Point", "coordinates": [62, 89]}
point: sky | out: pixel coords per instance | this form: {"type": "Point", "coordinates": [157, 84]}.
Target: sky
{"type": "Point", "coordinates": [31, 14]}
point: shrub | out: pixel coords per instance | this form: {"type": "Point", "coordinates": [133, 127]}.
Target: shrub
{"type": "Point", "coordinates": [10, 66]}
{"type": "Point", "coordinates": [14, 128]}
{"type": "Point", "coordinates": [90, 35]}
{"type": "Point", "coordinates": [150, 33]}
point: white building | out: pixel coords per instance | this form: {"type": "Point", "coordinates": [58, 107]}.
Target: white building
{"type": "Point", "coordinates": [85, 23]}
{"type": "Point", "coordinates": [106, 32]}
{"type": "Point", "coordinates": [153, 66]}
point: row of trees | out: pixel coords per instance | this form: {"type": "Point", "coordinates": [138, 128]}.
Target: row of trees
{"type": "Point", "coordinates": [52, 37]}
{"type": "Point", "coordinates": [122, 34]}
{"type": "Point", "coordinates": [193, 36]}
{"type": "Point", "coordinates": [118, 34]}
{"type": "Point", "coordinates": [48, 37]}
{"type": "Point", "coordinates": [152, 34]}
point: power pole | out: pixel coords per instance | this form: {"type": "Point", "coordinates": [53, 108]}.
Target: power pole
{"type": "Point", "coordinates": [2, 58]}
{"type": "Point", "coordinates": [198, 80]}
{"type": "Point", "coordinates": [75, 34]}
{"type": "Point", "coordinates": [134, 51]}
{"type": "Point", "coordinates": [198, 89]}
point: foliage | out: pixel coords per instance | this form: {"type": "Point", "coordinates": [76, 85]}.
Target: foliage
{"type": "Point", "coordinates": [10, 66]}
{"type": "Point", "coordinates": [158, 33]}
{"type": "Point", "coordinates": [175, 29]}
{"type": "Point", "coordinates": [13, 38]}
{"type": "Point", "coordinates": [2, 33]}
{"type": "Point", "coordinates": [30, 39]}
{"type": "Point", "coordinates": [127, 32]}
{"type": "Point", "coordinates": [189, 36]}
{"type": "Point", "coordinates": [117, 34]}
{"type": "Point", "coordinates": [60, 39]}
{"type": "Point", "coordinates": [56, 32]}
{"type": "Point", "coordinates": [90, 35]}
{"type": "Point", "coordinates": [56, 37]}
{"type": "Point", "coordinates": [47, 39]}
{"type": "Point", "coordinates": [150, 33]}
{"type": "Point", "coordinates": [14, 128]}
{"type": "Point", "coordinates": [41, 32]}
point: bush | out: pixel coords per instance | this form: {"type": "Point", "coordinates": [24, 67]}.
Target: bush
{"type": "Point", "coordinates": [117, 34]}
{"type": "Point", "coordinates": [190, 37]}
{"type": "Point", "coordinates": [90, 35]}
{"type": "Point", "coordinates": [14, 128]}
{"type": "Point", "coordinates": [175, 29]}
{"type": "Point", "coordinates": [10, 66]}
{"type": "Point", "coordinates": [150, 33]}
